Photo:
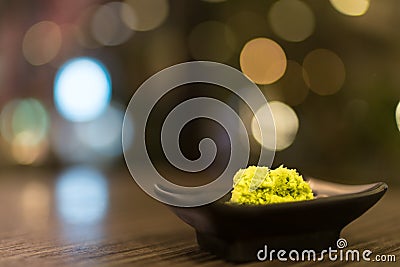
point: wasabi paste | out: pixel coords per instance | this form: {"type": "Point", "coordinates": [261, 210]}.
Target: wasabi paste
{"type": "Point", "coordinates": [261, 185]}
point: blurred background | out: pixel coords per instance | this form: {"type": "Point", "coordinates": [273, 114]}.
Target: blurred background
{"type": "Point", "coordinates": [69, 68]}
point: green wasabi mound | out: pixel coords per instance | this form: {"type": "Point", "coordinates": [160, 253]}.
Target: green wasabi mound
{"type": "Point", "coordinates": [261, 185]}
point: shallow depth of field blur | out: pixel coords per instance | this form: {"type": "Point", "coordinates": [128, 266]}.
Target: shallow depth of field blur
{"type": "Point", "coordinates": [69, 68]}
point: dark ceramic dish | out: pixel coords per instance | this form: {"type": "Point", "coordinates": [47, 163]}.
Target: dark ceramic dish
{"type": "Point", "coordinates": [238, 232]}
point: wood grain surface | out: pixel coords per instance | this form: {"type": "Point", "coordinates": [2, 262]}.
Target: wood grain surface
{"type": "Point", "coordinates": [122, 226]}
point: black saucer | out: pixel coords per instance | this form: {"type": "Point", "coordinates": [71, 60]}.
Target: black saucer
{"type": "Point", "coordinates": [238, 232]}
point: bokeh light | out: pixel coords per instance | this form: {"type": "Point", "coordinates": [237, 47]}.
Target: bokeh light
{"type": "Point", "coordinates": [82, 195]}
{"type": "Point", "coordinates": [351, 7]}
{"type": "Point", "coordinates": [25, 151]}
{"type": "Point", "coordinates": [84, 32]}
{"type": "Point", "coordinates": [66, 145]}
{"type": "Point", "coordinates": [286, 127]}
{"type": "Point", "coordinates": [148, 14]}
{"type": "Point", "coordinates": [35, 202]}
{"type": "Point", "coordinates": [6, 119]}
{"type": "Point", "coordinates": [41, 43]}
{"type": "Point", "coordinates": [397, 114]}
{"type": "Point", "coordinates": [30, 116]}
{"type": "Point", "coordinates": [98, 141]}
{"type": "Point", "coordinates": [24, 123]}
{"type": "Point", "coordinates": [292, 20]}
{"type": "Point", "coordinates": [211, 40]}
{"type": "Point", "coordinates": [82, 89]}
{"type": "Point", "coordinates": [324, 71]}
{"type": "Point", "coordinates": [103, 135]}
{"type": "Point", "coordinates": [263, 60]}
{"type": "Point", "coordinates": [108, 28]}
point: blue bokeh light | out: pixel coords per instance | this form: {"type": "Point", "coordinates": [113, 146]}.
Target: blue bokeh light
{"type": "Point", "coordinates": [82, 89]}
{"type": "Point", "coordinates": [82, 195]}
{"type": "Point", "coordinates": [103, 136]}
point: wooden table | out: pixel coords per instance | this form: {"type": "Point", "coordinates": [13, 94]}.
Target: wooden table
{"type": "Point", "coordinates": [117, 224]}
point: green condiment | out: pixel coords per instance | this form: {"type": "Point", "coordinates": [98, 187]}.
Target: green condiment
{"type": "Point", "coordinates": [261, 185]}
